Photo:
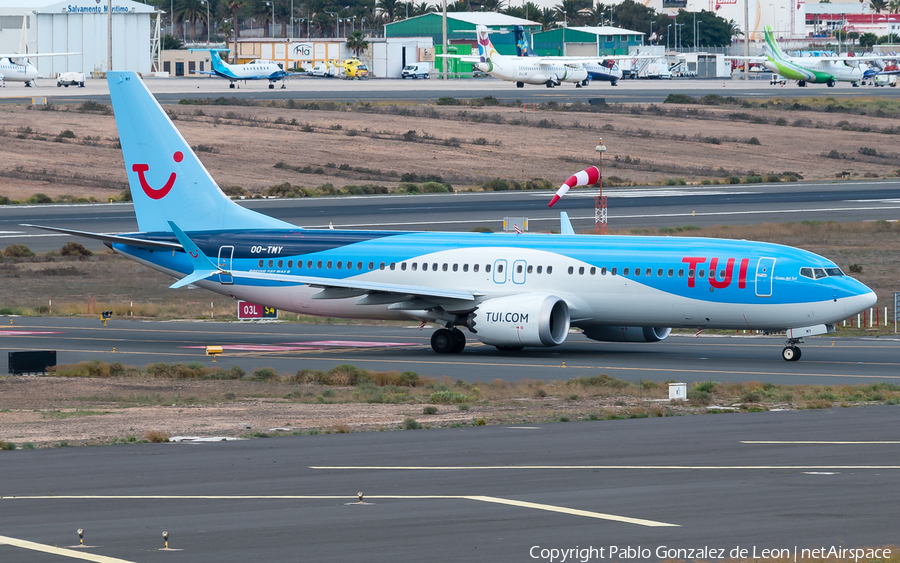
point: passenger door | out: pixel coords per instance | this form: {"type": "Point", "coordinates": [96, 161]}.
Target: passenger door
{"type": "Point", "coordinates": [765, 270]}
{"type": "Point", "coordinates": [518, 272]}
{"type": "Point", "coordinates": [226, 253]}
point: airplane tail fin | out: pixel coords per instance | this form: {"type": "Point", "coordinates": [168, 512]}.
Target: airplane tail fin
{"type": "Point", "coordinates": [774, 50]}
{"type": "Point", "coordinates": [167, 180]}
{"type": "Point", "coordinates": [486, 49]}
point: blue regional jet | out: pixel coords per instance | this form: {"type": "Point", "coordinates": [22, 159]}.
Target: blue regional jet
{"type": "Point", "coordinates": [505, 290]}
{"type": "Point", "coordinates": [254, 70]}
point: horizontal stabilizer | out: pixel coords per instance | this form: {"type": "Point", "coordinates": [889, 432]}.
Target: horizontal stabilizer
{"type": "Point", "coordinates": [111, 238]}
{"type": "Point", "coordinates": [198, 275]}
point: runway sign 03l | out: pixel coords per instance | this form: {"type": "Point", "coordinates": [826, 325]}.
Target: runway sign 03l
{"type": "Point", "coordinates": [249, 311]}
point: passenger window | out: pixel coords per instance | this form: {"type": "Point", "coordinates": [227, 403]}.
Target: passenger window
{"type": "Point", "coordinates": [371, 265]}
{"type": "Point", "coordinates": [309, 264]}
{"type": "Point", "coordinates": [456, 267]}
{"type": "Point", "coordinates": [487, 268]}
{"type": "Point", "coordinates": [319, 265]}
{"type": "Point", "coordinates": [414, 266]}
{"type": "Point", "coordinates": [349, 265]}
{"type": "Point", "coordinates": [701, 273]}
{"type": "Point", "coordinates": [681, 272]}
{"type": "Point", "coordinates": [499, 268]}
{"type": "Point", "coordinates": [393, 265]}
{"type": "Point", "coordinates": [539, 269]}
{"type": "Point", "coordinates": [613, 271]}
{"type": "Point", "coordinates": [549, 269]}
{"type": "Point", "coordinates": [424, 266]}
{"type": "Point", "coordinates": [403, 266]}
{"type": "Point", "coordinates": [649, 272]}
{"type": "Point", "coordinates": [290, 264]}
{"type": "Point", "coordinates": [339, 265]}
{"type": "Point", "coordinates": [571, 270]}
{"type": "Point", "coordinates": [474, 267]}
{"type": "Point", "coordinates": [637, 272]}
{"type": "Point", "coordinates": [271, 263]}
{"type": "Point", "coordinates": [359, 266]}
{"type": "Point", "coordinates": [261, 263]}
{"type": "Point", "coordinates": [581, 270]}
{"type": "Point", "coordinates": [434, 267]}
{"type": "Point", "coordinates": [671, 272]}
{"type": "Point", "coordinates": [381, 266]}
{"type": "Point", "coordinates": [530, 268]}
{"type": "Point", "coordinates": [659, 273]}
{"type": "Point", "coordinates": [281, 263]}
{"type": "Point", "coordinates": [722, 274]}
{"type": "Point", "coordinates": [328, 265]}
{"type": "Point", "coordinates": [465, 267]}
{"type": "Point", "coordinates": [593, 270]}
{"type": "Point", "coordinates": [445, 267]}
{"type": "Point", "coordinates": [603, 271]}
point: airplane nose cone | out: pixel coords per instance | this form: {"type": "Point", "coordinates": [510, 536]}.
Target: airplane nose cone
{"type": "Point", "coordinates": [860, 302]}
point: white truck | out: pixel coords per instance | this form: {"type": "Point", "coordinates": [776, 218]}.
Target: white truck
{"type": "Point", "coordinates": [416, 70]}
{"type": "Point", "coordinates": [70, 79]}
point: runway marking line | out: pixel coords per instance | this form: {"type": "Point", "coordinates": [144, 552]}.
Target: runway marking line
{"type": "Point", "coordinates": [477, 498]}
{"type": "Point", "coordinates": [818, 442]}
{"type": "Point", "coordinates": [569, 467]}
{"type": "Point", "coordinates": [61, 551]}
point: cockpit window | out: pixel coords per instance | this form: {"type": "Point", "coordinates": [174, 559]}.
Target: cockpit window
{"type": "Point", "coordinates": [820, 273]}
{"type": "Point", "coordinates": [834, 271]}
{"type": "Point", "coordinates": [807, 273]}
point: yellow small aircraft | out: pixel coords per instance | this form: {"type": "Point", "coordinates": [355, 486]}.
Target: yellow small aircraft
{"type": "Point", "coordinates": [353, 68]}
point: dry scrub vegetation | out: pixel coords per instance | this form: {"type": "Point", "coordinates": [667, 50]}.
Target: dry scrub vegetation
{"type": "Point", "coordinates": [96, 402]}
{"type": "Point", "coordinates": [71, 152]}
{"type": "Point", "coordinates": [869, 251]}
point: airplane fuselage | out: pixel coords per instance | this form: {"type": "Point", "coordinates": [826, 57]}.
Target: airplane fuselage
{"type": "Point", "coordinates": [808, 69]}
{"type": "Point", "coordinates": [606, 281]}
{"type": "Point", "coordinates": [515, 69]}
{"type": "Point", "coordinates": [11, 71]}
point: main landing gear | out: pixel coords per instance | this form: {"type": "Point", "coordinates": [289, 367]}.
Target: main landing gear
{"type": "Point", "coordinates": [448, 341]}
{"type": "Point", "coordinates": [791, 352]}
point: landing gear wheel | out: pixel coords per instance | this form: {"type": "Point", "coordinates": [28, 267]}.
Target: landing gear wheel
{"type": "Point", "coordinates": [271, 86]}
{"type": "Point", "coordinates": [460, 341]}
{"type": "Point", "coordinates": [578, 85]}
{"type": "Point", "coordinates": [520, 84]}
{"type": "Point", "coordinates": [801, 83]}
{"type": "Point", "coordinates": [614, 83]}
{"type": "Point", "coordinates": [585, 82]}
{"type": "Point", "coordinates": [509, 348]}
{"type": "Point", "coordinates": [550, 84]}
{"type": "Point", "coordinates": [231, 84]}
{"type": "Point", "coordinates": [830, 83]}
{"type": "Point", "coordinates": [790, 353]}
{"type": "Point", "coordinates": [443, 341]}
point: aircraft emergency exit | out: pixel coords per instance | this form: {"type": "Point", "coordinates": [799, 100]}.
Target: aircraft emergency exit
{"type": "Point", "coordinates": [505, 290]}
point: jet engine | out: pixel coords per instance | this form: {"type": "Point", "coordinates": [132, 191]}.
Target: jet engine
{"type": "Point", "coordinates": [627, 333]}
{"type": "Point", "coordinates": [521, 320]}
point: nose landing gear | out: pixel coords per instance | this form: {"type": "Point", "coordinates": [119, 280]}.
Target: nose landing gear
{"type": "Point", "coordinates": [791, 352]}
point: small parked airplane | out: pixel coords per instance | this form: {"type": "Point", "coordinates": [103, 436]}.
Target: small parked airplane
{"type": "Point", "coordinates": [16, 67]}
{"type": "Point", "coordinates": [508, 290]}
{"type": "Point", "coordinates": [521, 70]}
{"type": "Point", "coordinates": [254, 70]}
{"type": "Point", "coordinates": [604, 69]}
{"type": "Point", "coordinates": [811, 70]}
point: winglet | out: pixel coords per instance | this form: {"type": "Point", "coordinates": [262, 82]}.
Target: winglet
{"type": "Point", "coordinates": [203, 266]}
{"type": "Point", "coordinates": [565, 226]}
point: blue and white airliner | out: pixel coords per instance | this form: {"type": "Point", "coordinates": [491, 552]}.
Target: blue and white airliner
{"type": "Point", "coordinates": [505, 290]}
{"type": "Point", "coordinates": [254, 70]}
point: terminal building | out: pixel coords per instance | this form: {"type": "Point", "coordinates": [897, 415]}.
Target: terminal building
{"type": "Point", "coordinates": [53, 26]}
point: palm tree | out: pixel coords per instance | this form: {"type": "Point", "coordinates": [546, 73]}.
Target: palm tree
{"type": "Point", "coordinates": [894, 6]}
{"type": "Point", "coordinates": [423, 8]}
{"type": "Point", "coordinates": [356, 42]}
{"type": "Point", "coordinates": [878, 5]}
{"type": "Point", "coordinates": [458, 6]}
{"type": "Point", "coordinates": [191, 11]}
{"type": "Point", "coordinates": [263, 13]}
{"type": "Point", "coordinates": [233, 7]}
{"type": "Point", "coordinates": [388, 8]}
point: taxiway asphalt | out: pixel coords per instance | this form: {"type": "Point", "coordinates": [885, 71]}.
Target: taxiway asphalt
{"type": "Point", "coordinates": [290, 347]}
{"type": "Point", "coordinates": [632, 207]}
{"type": "Point", "coordinates": [775, 480]}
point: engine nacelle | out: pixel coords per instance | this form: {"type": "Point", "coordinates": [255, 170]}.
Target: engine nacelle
{"type": "Point", "coordinates": [521, 320]}
{"type": "Point", "coordinates": [627, 333]}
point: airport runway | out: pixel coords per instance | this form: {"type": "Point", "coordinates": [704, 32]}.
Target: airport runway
{"type": "Point", "coordinates": [172, 90]}
{"type": "Point", "coordinates": [633, 207]}
{"type": "Point", "coordinates": [290, 347]}
{"type": "Point", "coordinates": [807, 479]}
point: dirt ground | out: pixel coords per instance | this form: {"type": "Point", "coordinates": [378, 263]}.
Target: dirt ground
{"type": "Point", "coordinates": [46, 411]}
{"type": "Point", "coordinates": [241, 145]}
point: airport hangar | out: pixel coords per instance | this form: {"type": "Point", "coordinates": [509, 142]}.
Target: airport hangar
{"type": "Point", "coordinates": [78, 26]}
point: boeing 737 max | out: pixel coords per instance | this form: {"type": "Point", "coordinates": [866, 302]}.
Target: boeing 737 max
{"type": "Point", "coordinates": [506, 290]}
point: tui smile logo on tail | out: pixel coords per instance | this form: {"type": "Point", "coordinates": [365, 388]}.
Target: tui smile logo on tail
{"type": "Point", "coordinates": [163, 191]}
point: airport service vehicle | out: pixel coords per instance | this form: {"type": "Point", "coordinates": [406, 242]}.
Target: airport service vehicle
{"type": "Point", "coordinates": [506, 290]}
{"type": "Point", "coordinates": [776, 80]}
{"type": "Point", "coordinates": [254, 70]}
{"type": "Point", "coordinates": [323, 70]}
{"type": "Point", "coordinates": [416, 70]}
{"type": "Point", "coordinates": [522, 70]}
{"type": "Point", "coordinates": [70, 79]}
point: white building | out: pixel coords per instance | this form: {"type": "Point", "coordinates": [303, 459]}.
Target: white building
{"type": "Point", "coordinates": [54, 26]}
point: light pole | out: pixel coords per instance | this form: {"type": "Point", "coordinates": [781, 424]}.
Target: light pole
{"type": "Point", "coordinates": [697, 36]}
{"type": "Point", "coordinates": [668, 28]}
{"type": "Point", "coordinates": [676, 35]}
{"type": "Point", "coordinates": [206, 2]}
{"type": "Point", "coordinates": [565, 20]}
{"type": "Point", "coordinates": [273, 16]}
{"type": "Point", "coordinates": [292, 20]}
{"type": "Point", "coordinates": [651, 30]}
{"type": "Point", "coordinates": [335, 21]}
